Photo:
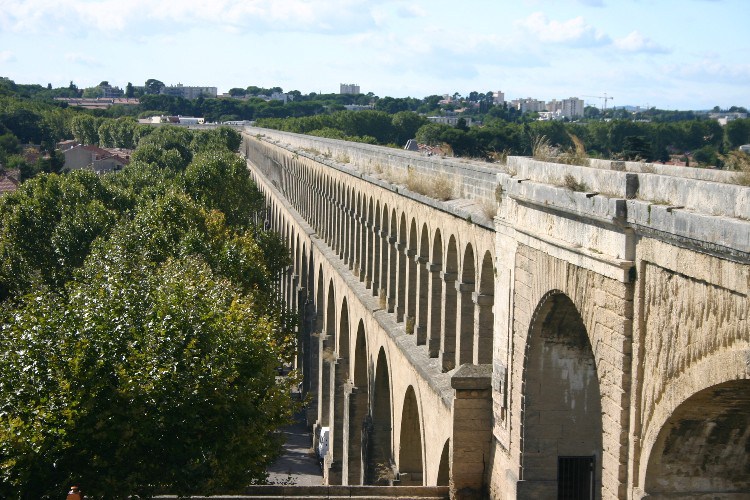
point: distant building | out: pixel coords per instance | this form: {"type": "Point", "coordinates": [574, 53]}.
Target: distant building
{"type": "Point", "coordinates": [724, 118]}
{"type": "Point", "coordinates": [95, 158]}
{"type": "Point", "coordinates": [177, 120]}
{"type": "Point", "coordinates": [10, 179]}
{"type": "Point", "coordinates": [110, 92]}
{"type": "Point", "coordinates": [572, 107]}
{"type": "Point", "coordinates": [349, 88]}
{"type": "Point", "coordinates": [745, 148]}
{"type": "Point", "coordinates": [185, 92]}
{"type": "Point", "coordinates": [451, 120]}
{"type": "Point", "coordinates": [498, 98]}
{"type": "Point", "coordinates": [358, 107]}
{"type": "Point", "coordinates": [529, 105]}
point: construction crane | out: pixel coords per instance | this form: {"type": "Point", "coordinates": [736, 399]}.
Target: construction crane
{"type": "Point", "coordinates": [605, 97]}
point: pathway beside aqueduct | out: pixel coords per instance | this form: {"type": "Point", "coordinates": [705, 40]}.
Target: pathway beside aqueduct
{"type": "Point", "coordinates": [524, 340]}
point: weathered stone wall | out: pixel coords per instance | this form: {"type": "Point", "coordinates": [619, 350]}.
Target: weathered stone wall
{"type": "Point", "coordinates": [618, 314]}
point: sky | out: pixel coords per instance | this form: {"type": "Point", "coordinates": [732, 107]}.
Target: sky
{"type": "Point", "coordinates": [671, 54]}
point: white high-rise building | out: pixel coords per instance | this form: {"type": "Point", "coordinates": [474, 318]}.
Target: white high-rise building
{"type": "Point", "coordinates": [349, 88]}
{"type": "Point", "coordinates": [572, 107]}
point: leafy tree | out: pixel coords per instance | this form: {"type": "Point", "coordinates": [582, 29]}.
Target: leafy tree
{"type": "Point", "coordinates": [737, 133]}
{"type": "Point", "coordinates": [153, 86]}
{"type": "Point", "coordinates": [129, 90]}
{"type": "Point", "coordinates": [85, 129]}
{"type": "Point", "coordinates": [140, 343]}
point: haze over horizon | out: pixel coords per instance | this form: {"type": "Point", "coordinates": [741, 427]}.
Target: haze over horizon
{"type": "Point", "coordinates": [690, 54]}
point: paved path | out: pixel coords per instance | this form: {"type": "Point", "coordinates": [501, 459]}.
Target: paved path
{"type": "Point", "coordinates": [298, 464]}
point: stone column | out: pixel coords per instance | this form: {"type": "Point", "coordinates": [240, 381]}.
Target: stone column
{"type": "Point", "coordinates": [465, 323]}
{"type": "Point", "coordinates": [448, 322]}
{"type": "Point", "coordinates": [472, 430]}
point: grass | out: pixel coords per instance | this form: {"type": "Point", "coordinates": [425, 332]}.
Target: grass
{"type": "Point", "coordinates": [438, 186]}
{"type": "Point", "coordinates": [574, 184]}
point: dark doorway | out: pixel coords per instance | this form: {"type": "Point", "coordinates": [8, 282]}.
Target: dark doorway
{"type": "Point", "coordinates": [575, 478]}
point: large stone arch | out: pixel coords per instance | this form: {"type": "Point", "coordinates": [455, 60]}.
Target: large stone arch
{"type": "Point", "coordinates": [380, 444]}
{"type": "Point", "coordinates": [703, 446]}
{"type": "Point", "coordinates": [411, 450]}
{"type": "Point", "coordinates": [562, 417]}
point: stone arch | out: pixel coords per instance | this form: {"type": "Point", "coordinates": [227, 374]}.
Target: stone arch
{"type": "Point", "coordinates": [561, 385]}
{"type": "Point", "coordinates": [411, 453]}
{"type": "Point", "coordinates": [358, 398]}
{"type": "Point", "coordinates": [423, 283]}
{"type": "Point", "coordinates": [369, 254]}
{"type": "Point", "coordinates": [436, 296]}
{"type": "Point", "coordinates": [331, 314]}
{"type": "Point", "coordinates": [376, 248]}
{"type": "Point", "coordinates": [465, 291]}
{"type": "Point", "coordinates": [343, 331]}
{"type": "Point", "coordinates": [401, 272]}
{"type": "Point", "coordinates": [340, 376]}
{"type": "Point", "coordinates": [450, 308]}
{"type": "Point", "coordinates": [380, 444]}
{"type": "Point", "coordinates": [384, 257]}
{"type": "Point", "coordinates": [392, 261]}
{"type": "Point", "coordinates": [703, 446]}
{"type": "Point", "coordinates": [411, 279]}
{"type": "Point", "coordinates": [485, 304]}
{"type": "Point", "coordinates": [444, 469]}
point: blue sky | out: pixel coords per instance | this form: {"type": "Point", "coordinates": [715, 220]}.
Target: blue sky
{"type": "Point", "coordinates": [686, 54]}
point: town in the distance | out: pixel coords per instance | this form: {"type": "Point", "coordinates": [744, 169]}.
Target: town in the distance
{"type": "Point", "coordinates": [100, 124]}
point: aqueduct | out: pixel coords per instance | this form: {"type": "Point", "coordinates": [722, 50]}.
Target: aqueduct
{"type": "Point", "coordinates": [554, 331]}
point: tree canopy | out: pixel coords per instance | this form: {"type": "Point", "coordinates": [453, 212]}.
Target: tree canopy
{"type": "Point", "coordinates": [140, 335]}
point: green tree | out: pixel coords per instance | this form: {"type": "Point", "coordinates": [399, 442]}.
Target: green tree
{"type": "Point", "coordinates": [736, 133]}
{"type": "Point", "coordinates": [85, 129]}
{"type": "Point", "coordinates": [129, 90]}
{"type": "Point", "coordinates": [153, 86]}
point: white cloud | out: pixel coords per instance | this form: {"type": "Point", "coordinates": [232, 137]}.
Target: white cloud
{"type": "Point", "coordinates": [171, 15]}
{"type": "Point", "coordinates": [82, 59]}
{"type": "Point", "coordinates": [711, 70]}
{"type": "Point", "coordinates": [574, 32]}
{"type": "Point", "coordinates": [637, 42]}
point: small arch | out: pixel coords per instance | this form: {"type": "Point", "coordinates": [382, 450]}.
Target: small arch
{"type": "Point", "coordinates": [380, 445]}
{"type": "Point", "coordinates": [410, 455]}
{"type": "Point", "coordinates": [465, 333]}
{"type": "Point", "coordinates": [486, 316]}
{"type": "Point", "coordinates": [444, 469]}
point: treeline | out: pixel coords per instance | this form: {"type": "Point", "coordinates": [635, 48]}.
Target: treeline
{"type": "Point", "coordinates": [140, 332]}
{"type": "Point", "coordinates": [705, 140]}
